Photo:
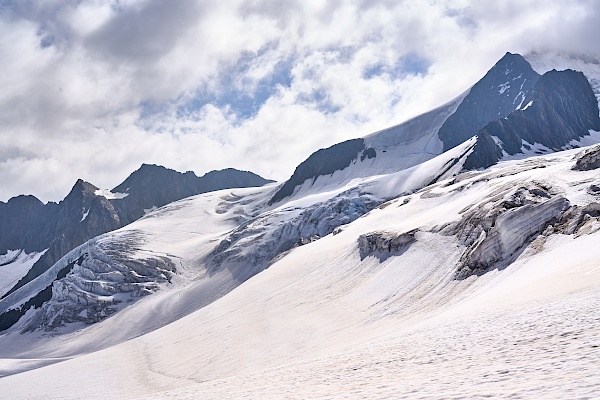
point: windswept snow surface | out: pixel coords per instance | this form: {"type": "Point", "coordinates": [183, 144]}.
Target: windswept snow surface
{"type": "Point", "coordinates": [13, 266]}
{"type": "Point", "coordinates": [327, 321]}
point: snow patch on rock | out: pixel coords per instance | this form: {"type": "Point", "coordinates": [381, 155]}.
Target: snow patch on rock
{"type": "Point", "coordinates": [110, 195]}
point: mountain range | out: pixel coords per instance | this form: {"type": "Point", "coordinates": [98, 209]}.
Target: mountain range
{"type": "Point", "coordinates": [52, 230]}
{"type": "Point", "coordinates": [456, 244]}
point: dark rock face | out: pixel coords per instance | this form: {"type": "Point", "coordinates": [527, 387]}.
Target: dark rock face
{"type": "Point", "coordinates": [324, 162]}
{"type": "Point", "coordinates": [511, 102]}
{"type": "Point", "coordinates": [368, 154]}
{"type": "Point", "coordinates": [155, 186]}
{"type": "Point", "coordinates": [30, 225]}
{"type": "Point", "coordinates": [562, 107]}
{"type": "Point", "coordinates": [502, 90]}
{"type": "Point", "coordinates": [13, 234]}
{"type": "Point", "coordinates": [485, 153]}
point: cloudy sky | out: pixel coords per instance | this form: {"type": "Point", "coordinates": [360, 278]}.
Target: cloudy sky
{"type": "Point", "coordinates": [93, 88]}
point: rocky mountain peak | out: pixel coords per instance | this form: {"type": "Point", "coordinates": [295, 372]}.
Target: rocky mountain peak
{"type": "Point", "coordinates": [25, 201]}
{"type": "Point", "coordinates": [501, 91]}
{"type": "Point", "coordinates": [80, 191]}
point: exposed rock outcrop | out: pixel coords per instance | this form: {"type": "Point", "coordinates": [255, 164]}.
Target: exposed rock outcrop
{"type": "Point", "coordinates": [384, 243]}
{"type": "Point", "coordinates": [324, 162]}
{"type": "Point", "coordinates": [560, 108]}
{"type": "Point", "coordinates": [578, 220]}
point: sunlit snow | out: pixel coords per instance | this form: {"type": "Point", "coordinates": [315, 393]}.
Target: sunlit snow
{"type": "Point", "coordinates": [85, 214]}
{"type": "Point", "coordinates": [325, 320]}
{"type": "Point", "coordinates": [13, 266]}
{"type": "Point", "coordinates": [110, 195]}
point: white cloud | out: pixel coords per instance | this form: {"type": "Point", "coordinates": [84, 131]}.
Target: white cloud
{"type": "Point", "coordinates": [93, 88]}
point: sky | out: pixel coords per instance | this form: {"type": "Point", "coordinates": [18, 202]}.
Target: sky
{"type": "Point", "coordinates": [92, 89]}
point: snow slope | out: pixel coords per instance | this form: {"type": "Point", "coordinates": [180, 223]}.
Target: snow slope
{"type": "Point", "coordinates": [192, 252]}
{"type": "Point", "coordinates": [13, 266]}
{"type": "Point", "coordinates": [560, 109]}
{"type": "Point", "coordinates": [330, 319]}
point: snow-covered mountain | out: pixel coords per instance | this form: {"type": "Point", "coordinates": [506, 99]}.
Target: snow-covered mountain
{"type": "Point", "coordinates": [468, 279]}
{"type": "Point", "coordinates": [454, 253]}
{"type": "Point", "coordinates": [49, 231]}
{"type": "Point", "coordinates": [543, 62]}
{"type": "Point", "coordinates": [512, 110]}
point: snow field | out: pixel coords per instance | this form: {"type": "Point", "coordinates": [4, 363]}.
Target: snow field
{"type": "Point", "coordinates": [325, 322]}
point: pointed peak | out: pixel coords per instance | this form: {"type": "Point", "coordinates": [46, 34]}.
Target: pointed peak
{"type": "Point", "coordinates": [151, 174]}
{"type": "Point", "coordinates": [508, 54]}
{"type": "Point", "coordinates": [82, 186]}
{"type": "Point", "coordinates": [514, 61]}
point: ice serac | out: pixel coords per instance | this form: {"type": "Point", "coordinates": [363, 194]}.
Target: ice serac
{"type": "Point", "coordinates": [496, 95]}
{"type": "Point", "coordinates": [102, 278]}
{"type": "Point", "coordinates": [88, 285]}
{"type": "Point", "coordinates": [274, 233]}
{"type": "Point", "coordinates": [324, 162]}
{"type": "Point", "coordinates": [494, 232]}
